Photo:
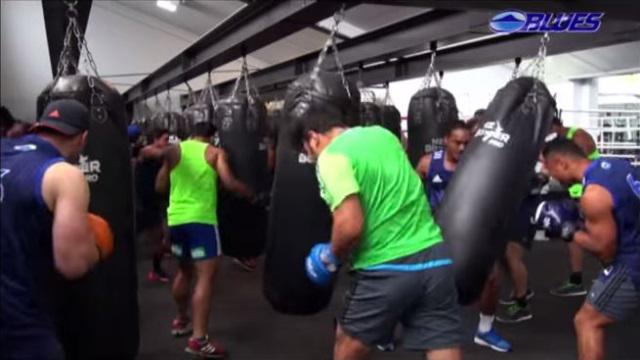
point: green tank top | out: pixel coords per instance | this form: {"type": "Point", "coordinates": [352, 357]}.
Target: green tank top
{"type": "Point", "coordinates": [193, 192]}
{"type": "Point", "coordinates": [575, 190]}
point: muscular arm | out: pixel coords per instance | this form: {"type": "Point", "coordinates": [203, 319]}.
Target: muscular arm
{"type": "Point", "coordinates": [600, 237]}
{"type": "Point", "coordinates": [348, 222]}
{"type": "Point", "coordinates": [151, 152]}
{"type": "Point", "coordinates": [170, 155]}
{"type": "Point", "coordinates": [218, 159]}
{"type": "Point", "coordinates": [66, 193]}
{"type": "Point", "coordinates": [423, 166]}
{"type": "Point", "coordinates": [584, 141]}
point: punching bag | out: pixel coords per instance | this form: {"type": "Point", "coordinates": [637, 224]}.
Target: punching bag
{"type": "Point", "coordinates": [299, 218]}
{"type": "Point", "coordinates": [491, 180]}
{"type": "Point", "coordinates": [241, 123]}
{"type": "Point", "coordinates": [370, 114]}
{"type": "Point", "coordinates": [430, 110]}
{"type": "Point", "coordinates": [100, 318]}
{"type": "Point", "coordinates": [391, 119]}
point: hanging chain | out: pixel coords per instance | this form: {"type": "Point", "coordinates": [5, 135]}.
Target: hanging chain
{"type": "Point", "coordinates": [167, 101]}
{"type": "Point", "coordinates": [245, 75]}
{"type": "Point", "coordinates": [516, 70]}
{"type": "Point", "coordinates": [539, 63]}
{"type": "Point", "coordinates": [331, 43]}
{"type": "Point", "coordinates": [387, 96]}
{"type": "Point", "coordinates": [432, 74]}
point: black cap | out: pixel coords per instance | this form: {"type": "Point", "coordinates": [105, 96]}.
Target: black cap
{"type": "Point", "coordinates": [66, 116]}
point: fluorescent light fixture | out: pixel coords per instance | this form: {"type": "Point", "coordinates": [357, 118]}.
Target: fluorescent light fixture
{"type": "Point", "coordinates": [169, 5]}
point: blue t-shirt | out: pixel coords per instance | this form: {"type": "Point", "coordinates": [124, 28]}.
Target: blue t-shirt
{"type": "Point", "coordinates": [437, 179]}
{"type": "Point", "coordinates": [28, 277]}
{"type": "Point", "coordinates": [620, 178]}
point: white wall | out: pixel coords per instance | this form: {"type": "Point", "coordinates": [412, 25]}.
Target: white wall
{"type": "Point", "coordinates": [24, 57]}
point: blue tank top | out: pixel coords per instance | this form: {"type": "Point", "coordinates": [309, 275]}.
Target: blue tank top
{"type": "Point", "coordinates": [28, 275]}
{"type": "Point", "coordinates": [437, 179]}
{"type": "Point", "coordinates": [621, 180]}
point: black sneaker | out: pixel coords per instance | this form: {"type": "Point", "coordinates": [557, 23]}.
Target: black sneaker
{"type": "Point", "coordinates": [569, 289]}
{"type": "Point", "coordinates": [512, 300]}
{"type": "Point", "coordinates": [515, 314]}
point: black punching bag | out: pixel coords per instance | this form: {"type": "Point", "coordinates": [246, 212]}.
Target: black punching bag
{"type": "Point", "coordinates": [241, 123]}
{"type": "Point", "coordinates": [492, 179]}
{"type": "Point", "coordinates": [299, 218]}
{"type": "Point", "coordinates": [391, 119]}
{"type": "Point", "coordinates": [430, 110]}
{"type": "Point", "coordinates": [370, 114]}
{"type": "Point", "coordinates": [100, 317]}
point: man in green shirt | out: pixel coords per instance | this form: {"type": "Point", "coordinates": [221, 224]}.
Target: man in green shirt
{"type": "Point", "coordinates": [190, 171]}
{"type": "Point", "coordinates": [401, 270]}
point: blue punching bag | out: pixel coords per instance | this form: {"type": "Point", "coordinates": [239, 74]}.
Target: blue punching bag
{"type": "Point", "coordinates": [491, 180]}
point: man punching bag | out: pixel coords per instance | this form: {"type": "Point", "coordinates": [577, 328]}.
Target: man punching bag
{"type": "Point", "coordinates": [299, 218]}
{"type": "Point", "coordinates": [241, 123]}
{"type": "Point", "coordinates": [491, 180]}
{"type": "Point", "coordinates": [430, 110]}
{"type": "Point", "coordinates": [102, 307]}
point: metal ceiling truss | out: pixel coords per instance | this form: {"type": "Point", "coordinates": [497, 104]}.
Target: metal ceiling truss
{"type": "Point", "coordinates": [254, 26]}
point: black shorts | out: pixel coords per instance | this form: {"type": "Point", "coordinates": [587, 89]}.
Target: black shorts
{"type": "Point", "coordinates": [521, 227]}
{"type": "Point", "coordinates": [424, 301]}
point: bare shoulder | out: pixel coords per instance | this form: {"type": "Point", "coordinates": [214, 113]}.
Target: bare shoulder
{"type": "Point", "coordinates": [596, 200]}
{"type": "Point", "coordinates": [60, 179]}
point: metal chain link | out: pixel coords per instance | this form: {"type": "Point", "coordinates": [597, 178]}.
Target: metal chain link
{"type": "Point", "coordinates": [167, 100]}
{"type": "Point", "coordinates": [331, 43]}
{"type": "Point", "coordinates": [431, 74]}
{"type": "Point", "coordinates": [539, 67]}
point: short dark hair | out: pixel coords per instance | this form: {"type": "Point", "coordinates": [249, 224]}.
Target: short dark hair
{"type": "Point", "coordinates": [203, 129]}
{"type": "Point", "coordinates": [563, 146]}
{"type": "Point", "coordinates": [157, 133]}
{"type": "Point", "coordinates": [455, 125]}
{"type": "Point", "coordinates": [319, 122]}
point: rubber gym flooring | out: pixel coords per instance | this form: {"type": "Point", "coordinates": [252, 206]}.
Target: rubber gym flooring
{"type": "Point", "coordinates": [250, 330]}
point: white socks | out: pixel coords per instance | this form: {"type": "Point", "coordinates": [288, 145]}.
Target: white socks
{"type": "Point", "coordinates": [486, 323]}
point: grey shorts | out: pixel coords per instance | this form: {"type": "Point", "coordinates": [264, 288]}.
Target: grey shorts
{"type": "Point", "coordinates": [613, 293]}
{"type": "Point", "coordinates": [416, 291]}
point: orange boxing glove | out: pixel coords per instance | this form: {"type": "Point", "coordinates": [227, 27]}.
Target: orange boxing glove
{"type": "Point", "coordinates": [103, 234]}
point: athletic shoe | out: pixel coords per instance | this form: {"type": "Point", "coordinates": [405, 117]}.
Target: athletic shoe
{"type": "Point", "coordinates": [158, 276]}
{"type": "Point", "coordinates": [203, 348]}
{"type": "Point", "coordinates": [512, 300]}
{"type": "Point", "coordinates": [181, 327]}
{"type": "Point", "coordinates": [388, 347]}
{"type": "Point", "coordinates": [247, 264]}
{"type": "Point", "coordinates": [569, 289]}
{"type": "Point", "coordinates": [493, 340]}
{"type": "Point", "coordinates": [515, 314]}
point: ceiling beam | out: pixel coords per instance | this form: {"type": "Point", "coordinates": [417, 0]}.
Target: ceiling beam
{"type": "Point", "coordinates": [55, 23]}
{"type": "Point", "coordinates": [613, 9]}
{"type": "Point", "coordinates": [484, 51]}
{"type": "Point", "coordinates": [401, 38]}
{"type": "Point", "coordinates": [252, 27]}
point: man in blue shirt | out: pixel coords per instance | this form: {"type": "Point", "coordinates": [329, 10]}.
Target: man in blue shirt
{"type": "Point", "coordinates": [47, 234]}
{"type": "Point", "coordinates": [611, 210]}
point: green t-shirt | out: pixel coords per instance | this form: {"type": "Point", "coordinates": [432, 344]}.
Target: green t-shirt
{"type": "Point", "coordinates": [370, 162]}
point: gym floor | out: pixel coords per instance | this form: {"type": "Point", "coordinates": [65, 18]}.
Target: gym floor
{"type": "Point", "coordinates": [246, 325]}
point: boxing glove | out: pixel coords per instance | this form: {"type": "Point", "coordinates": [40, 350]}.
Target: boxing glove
{"type": "Point", "coordinates": [102, 233]}
{"type": "Point", "coordinates": [559, 218]}
{"type": "Point", "coordinates": [321, 264]}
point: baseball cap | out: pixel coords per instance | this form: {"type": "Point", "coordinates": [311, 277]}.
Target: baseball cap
{"type": "Point", "coordinates": [66, 116]}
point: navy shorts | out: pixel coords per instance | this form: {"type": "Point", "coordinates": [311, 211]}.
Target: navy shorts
{"type": "Point", "coordinates": [193, 242]}
{"type": "Point", "coordinates": [520, 228]}
{"type": "Point", "coordinates": [613, 293]}
{"type": "Point", "coordinates": [416, 291]}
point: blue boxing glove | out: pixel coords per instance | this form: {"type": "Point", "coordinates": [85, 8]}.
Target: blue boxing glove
{"type": "Point", "coordinates": [559, 218]}
{"type": "Point", "coordinates": [321, 264]}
